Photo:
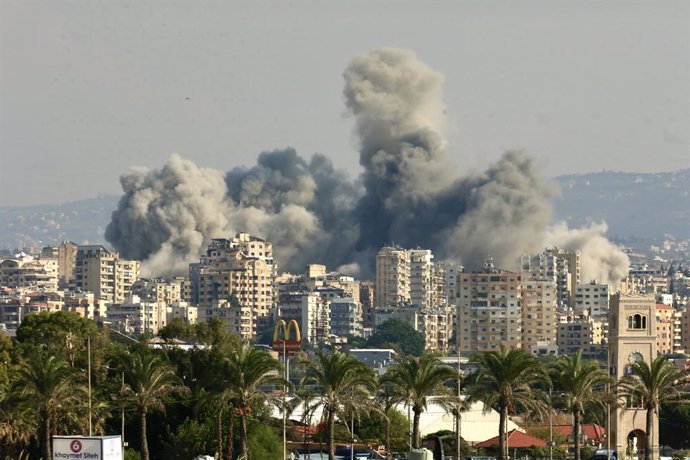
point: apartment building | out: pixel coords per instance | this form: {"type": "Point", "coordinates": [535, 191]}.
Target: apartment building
{"type": "Point", "coordinates": [593, 298]}
{"type": "Point", "coordinates": [421, 278]}
{"type": "Point", "coordinates": [435, 324]}
{"type": "Point", "coordinates": [102, 272]}
{"type": "Point", "coordinates": [562, 268]}
{"type": "Point", "coordinates": [668, 339]}
{"type": "Point", "coordinates": [346, 317]}
{"type": "Point", "coordinates": [240, 283]}
{"type": "Point", "coordinates": [684, 328]}
{"type": "Point", "coordinates": [539, 315]}
{"type": "Point", "coordinates": [489, 305]}
{"type": "Point", "coordinates": [24, 271]}
{"type": "Point", "coordinates": [581, 333]}
{"type": "Point", "coordinates": [136, 316]}
{"type": "Point", "coordinates": [392, 276]}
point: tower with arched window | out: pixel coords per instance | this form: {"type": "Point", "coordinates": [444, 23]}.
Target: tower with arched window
{"type": "Point", "coordinates": [632, 337]}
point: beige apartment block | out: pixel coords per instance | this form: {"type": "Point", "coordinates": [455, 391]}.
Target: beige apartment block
{"type": "Point", "coordinates": [135, 316]}
{"type": "Point", "coordinates": [580, 333]}
{"type": "Point", "coordinates": [684, 329]}
{"type": "Point", "coordinates": [665, 329]}
{"type": "Point", "coordinates": [632, 320]}
{"type": "Point", "coordinates": [67, 258]}
{"type": "Point", "coordinates": [24, 271]}
{"type": "Point", "coordinates": [246, 283]}
{"type": "Point", "coordinates": [489, 305]}
{"type": "Point", "coordinates": [102, 272]}
{"type": "Point", "coordinates": [421, 278]}
{"type": "Point", "coordinates": [539, 314]}
{"type": "Point", "coordinates": [392, 276]}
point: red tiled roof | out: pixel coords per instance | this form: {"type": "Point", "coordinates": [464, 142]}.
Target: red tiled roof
{"type": "Point", "coordinates": [594, 432]}
{"type": "Point", "coordinates": [515, 439]}
{"type": "Point", "coordinates": [663, 306]}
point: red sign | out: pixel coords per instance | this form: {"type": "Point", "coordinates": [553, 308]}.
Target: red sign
{"type": "Point", "coordinates": [75, 446]}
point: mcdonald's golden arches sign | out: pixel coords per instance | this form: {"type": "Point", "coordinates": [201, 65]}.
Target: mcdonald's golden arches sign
{"type": "Point", "coordinates": [286, 343]}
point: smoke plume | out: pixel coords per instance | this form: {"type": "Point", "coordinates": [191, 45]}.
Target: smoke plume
{"type": "Point", "coordinates": [600, 260]}
{"type": "Point", "coordinates": [408, 193]}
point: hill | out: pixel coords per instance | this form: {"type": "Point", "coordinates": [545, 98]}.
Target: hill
{"type": "Point", "coordinates": [634, 205]}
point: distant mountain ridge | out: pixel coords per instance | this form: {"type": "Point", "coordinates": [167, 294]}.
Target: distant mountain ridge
{"type": "Point", "coordinates": [81, 221]}
{"type": "Point", "coordinates": [640, 205]}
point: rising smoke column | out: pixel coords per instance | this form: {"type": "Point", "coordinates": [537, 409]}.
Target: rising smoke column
{"type": "Point", "coordinates": [395, 99]}
{"type": "Point", "coordinates": [167, 216]}
{"type": "Point", "coordinates": [408, 193]}
{"type": "Point", "coordinates": [413, 194]}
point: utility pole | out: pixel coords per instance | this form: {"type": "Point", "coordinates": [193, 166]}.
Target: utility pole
{"type": "Point", "coordinates": [122, 431]}
{"type": "Point", "coordinates": [458, 421]}
{"type": "Point", "coordinates": [88, 356]}
{"type": "Point", "coordinates": [285, 361]}
{"type": "Point", "coordinates": [550, 429]}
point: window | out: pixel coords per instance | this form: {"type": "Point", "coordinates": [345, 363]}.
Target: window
{"type": "Point", "coordinates": [637, 321]}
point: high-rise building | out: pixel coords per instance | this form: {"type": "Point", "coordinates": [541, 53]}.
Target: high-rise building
{"type": "Point", "coordinates": [684, 329]}
{"type": "Point", "coordinates": [102, 272]}
{"type": "Point", "coordinates": [665, 329]}
{"type": "Point", "coordinates": [489, 309]}
{"type": "Point", "coordinates": [563, 268]}
{"type": "Point", "coordinates": [238, 284]}
{"type": "Point", "coordinates": [421, 278]}
{"type": "Point", "coordinates": [539, 314]}
{"type": "Point", "coordinates": [593, 298]}
{"type": "Point", "coordinates": [392, 276]}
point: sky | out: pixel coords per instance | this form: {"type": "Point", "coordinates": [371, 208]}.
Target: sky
{"type": "Point", "coordinates": [89, 89]}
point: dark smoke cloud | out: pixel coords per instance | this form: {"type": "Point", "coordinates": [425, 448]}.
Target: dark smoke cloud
{"type": "Point", "coordinates": [408, 193]}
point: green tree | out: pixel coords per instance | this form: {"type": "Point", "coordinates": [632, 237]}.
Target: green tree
{"type": "Point", "coordinates": [264, 443]}
{"type": "Point", "coordinates": [337, 382]}
{"type": "Point", "coordinates": [250, 370]}
{"type": "Point", "coordinates": [399, 334]}
{"type": "Point", "coordinates": [583, 385]}
{"type": "Point", "coordinates": [506, 381]}
{"type": "Point", "coordinates": [178, 328]}
{"type": "Point", "coordinates": [148, 382]}
{"type": "Point", "coordinates": [63, 334]}
{"type": "Point", "coordinates": [49, 385]}
{"type": "Point", "coordinates": [419, 379]}
{"type": "Point", "coordinates": [648, 387]}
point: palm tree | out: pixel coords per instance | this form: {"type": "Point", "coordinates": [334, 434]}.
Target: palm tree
{"type": "Point", "coordinates": [340, 381]}
{"type": "Point", "coordinates": [649, 386]}
{"type": "Point", "coordinates": [582, 383]}
{"type": "Point", "coordinates": [49, 385]}
{"type": "Point", "coordinates": [387, 396]}
{"type": "Point", "coordinates": [149, 380]}
{"type": "Point", "coordinates": [418, 379]}
{"type": "Point", "coordinates": [507, 380]}
{"type": "Point", "coordinates": [249, 371]}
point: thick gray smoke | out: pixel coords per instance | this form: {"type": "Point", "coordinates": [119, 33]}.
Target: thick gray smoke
{"type": "Point", "coordinates": [600, 260]}
{"type": "Point", "coordinates": [166, 216]}
{"type": "Point", "coordinates": [408, 192]}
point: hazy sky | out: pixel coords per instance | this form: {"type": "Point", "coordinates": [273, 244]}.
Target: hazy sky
{"type": "Point", "coordinates": [88, 89]}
